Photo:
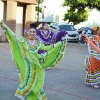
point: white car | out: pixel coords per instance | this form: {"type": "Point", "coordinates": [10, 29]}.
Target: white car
{"type": "Point", "coordinates": [72, 35]}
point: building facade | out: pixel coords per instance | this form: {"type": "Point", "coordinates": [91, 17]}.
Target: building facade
{"type": "Point", "coordinates": [17, 14]}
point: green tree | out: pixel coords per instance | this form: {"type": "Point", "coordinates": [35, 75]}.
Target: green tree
{"type": "Point", "coordinates": [76, 15]}
{"type": "Point", "coordinates": [38, 8]}
{"type": "Point", "coordinates": [90, 3]}
{"type": "Point", "coordinates": [78, 9]}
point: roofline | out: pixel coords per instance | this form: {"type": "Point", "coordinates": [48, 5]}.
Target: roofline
{"type": "Point", "coordinates": [24, 1]}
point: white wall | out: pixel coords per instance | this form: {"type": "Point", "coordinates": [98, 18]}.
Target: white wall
{"type": "Point", "coordinates": [19, 21]}
{"type": "Point", "coordinates": [54, 10]}
{"type": "Point", "coordinates": [2, 34]}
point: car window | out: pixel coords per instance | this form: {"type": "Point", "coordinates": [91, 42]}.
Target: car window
{"type": "Point", "coordinates": [57, 27]}
{"type": "Point", "coordinates": [67, 27]}
{"type": "Point", "coordinates": [52, 26]}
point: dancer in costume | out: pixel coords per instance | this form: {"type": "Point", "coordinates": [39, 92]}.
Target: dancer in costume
{"type": "Point", "coordinates": [93, 59]}
{"type": "Point", "coordinates": [31, 65]}
{"type": "Point", "coordinates": [47, 36]}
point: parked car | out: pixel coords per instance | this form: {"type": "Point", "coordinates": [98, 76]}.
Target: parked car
{"type": "Point", "coordinates": [90, 31]}
{"type": "Point", "coordinates": [72, 35]}
{"type": "Point", "coordinates": [87, 31]}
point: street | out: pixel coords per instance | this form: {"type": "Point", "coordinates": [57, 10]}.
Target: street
{"type": "Point", "coordinates": [63, 82]}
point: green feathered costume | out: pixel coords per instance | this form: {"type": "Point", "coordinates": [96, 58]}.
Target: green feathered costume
{"type": "Point", "coordinates": [31, 65]}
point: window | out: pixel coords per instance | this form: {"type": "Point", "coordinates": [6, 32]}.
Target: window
{"type": "Point", "coordinates": [67, 27]}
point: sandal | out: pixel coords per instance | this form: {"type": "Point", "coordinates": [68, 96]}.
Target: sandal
{"type": "Point", "coordinates": [96, 86]}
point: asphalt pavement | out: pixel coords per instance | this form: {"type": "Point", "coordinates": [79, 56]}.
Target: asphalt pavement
{"type": "Point", "coordinates": [63, 82]}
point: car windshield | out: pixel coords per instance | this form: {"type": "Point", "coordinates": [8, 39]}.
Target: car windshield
{"type": "Point", "coordinates": [67, 27]}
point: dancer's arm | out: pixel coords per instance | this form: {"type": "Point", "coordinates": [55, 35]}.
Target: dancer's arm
{"type": "Point", "coordinates": [85, 38]}
{"type": "Point", "coordinates": [93, 46]}
{"type": "Point", "coordinates": [9, 33]}
{"type": "Point", "coordinates": [54, 55]}
{"type": "Point", "coordinates": [60, 35]}
{"type": "Point", "coordinates": [48, 47]}
{"type": "Point", "coordinates": [15, 48]}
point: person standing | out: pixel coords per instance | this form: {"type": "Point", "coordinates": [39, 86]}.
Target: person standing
{"type": "Point", "coordinates": [31, 65]}
{"type": "Point", "coordinates": [93, 59]}
{"type": "Point", "coordinates": [47, 36]}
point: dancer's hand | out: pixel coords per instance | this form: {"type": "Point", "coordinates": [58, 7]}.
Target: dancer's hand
{"type": "Point", "coordinates": [64, 35]}
{"type": "Point", "coordinates": [2, 25]}
{"type": "Point", "coordinates": [63, 38]}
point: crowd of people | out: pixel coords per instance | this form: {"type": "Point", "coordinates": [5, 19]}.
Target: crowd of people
{"type": "Point", "coordinates": [42, 49]}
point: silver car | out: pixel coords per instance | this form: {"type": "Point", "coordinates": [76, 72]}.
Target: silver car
{"type": "Point", "coordinates": [72, 35]}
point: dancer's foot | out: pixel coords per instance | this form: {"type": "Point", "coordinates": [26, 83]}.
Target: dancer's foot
{"type": "Point", "coordinates": [96, 86]}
